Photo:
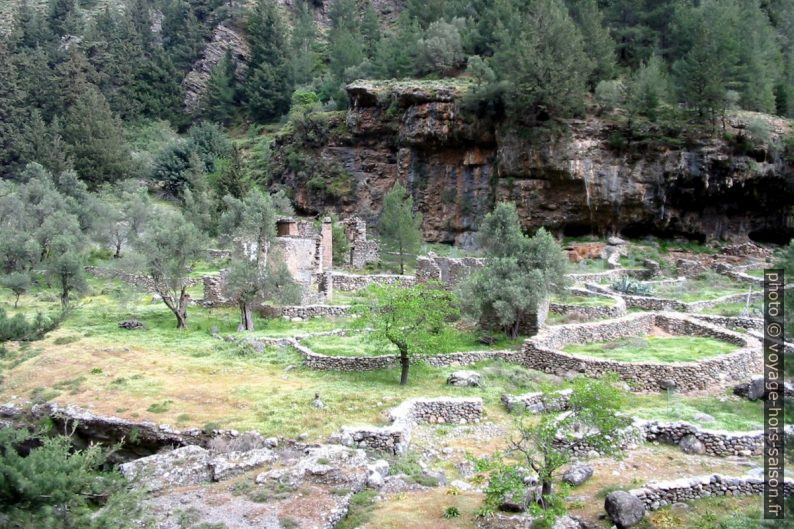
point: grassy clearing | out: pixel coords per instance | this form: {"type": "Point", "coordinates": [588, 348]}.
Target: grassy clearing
{"type": "Point", "coordinates": [568, 298]}
{"type": "Point", "coordinates": [701, 289]}
{"type": "Point", "coordinates": [755, 309]}
{"type": "Point", "coordinates": [729, 412]}
{"type": "Point", "coordinates": [191, 378]}
{"type": "Point", "coordinates": [654, 349]}
{"type": "Point", "coordinates": [361, 345]}
{"type": "Point", "coordinates": [710, 513]}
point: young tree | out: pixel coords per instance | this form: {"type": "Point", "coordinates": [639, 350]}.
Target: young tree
{"type": "Point", "coordinates": [399, 227]}
{"type": "Point", "coordinates": [303, 41]}
{"type": "Point", "coordinates": [169, 248]}
{"type": "Point", "coordinates": [520, 274]}
{"type": "Point", "coordinates": [647, 89]}
{"type": "Point", "coordinates": [258, 271]}
{"type": "Point", "coordinates": [592, 407]}
{"type": "Point", "coordinates": [123, 213]}
{"type": "Point", "coordinates": [66, 267]}
{"type": "Point", "coordinates": [16, 282]}
{"type": "Point", "coordinates": [409, 318]}
{"type": "Point", "coordinates": [599, 46]}
{"type": "Point", "coordinates": [218, 104]}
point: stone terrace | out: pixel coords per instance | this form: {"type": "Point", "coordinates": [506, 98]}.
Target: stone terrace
{"type": "Point", "coordinates": [543, 352]}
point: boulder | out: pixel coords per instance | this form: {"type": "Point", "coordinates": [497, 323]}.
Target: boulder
{"type": "Point", "coordinates": [224, 466]}
{"type": "Point", "coordinates": [465, 378]}
{"type": "Point", "coordinates": [703, 417]}
{"type": "Point", "coordinates": [578, 474]}
{"type": "Point", "coordinates": [188, 465]}
{"type": "Point", "coordinates": [625, 510]}
{"type": "Point", "coordinates": [752, 390]}
{"type": "Point", "coordinates": [690, 444]}
{"type": "Point", "coordinates": [131, 325]}
{"type": "Point", "coordinates": [615, 241]}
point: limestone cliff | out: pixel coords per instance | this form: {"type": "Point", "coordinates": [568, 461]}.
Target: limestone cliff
{"type": "Point", "coordinates": [457, 165]}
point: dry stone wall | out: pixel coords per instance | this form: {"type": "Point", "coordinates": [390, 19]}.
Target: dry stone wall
{"type": "Point", "coordinates": [351, 282]}
{"type": "Point", "coordinates": [305, 312]}
{"type": "Point", "coordinates": [450, 271]}
{"type": "Point", "coordinates": [543, 352]}
{"type": "Point", "coordinates": [668, 304]}
{"type": "Point", "coordinates": [717, 443]}
{"type": "Point", "coordinates": [658, 495]}
{"type": "Point", "coordinates": [137, 280]}
{"type": "Point", "coordinates": [614, 306]}
{"type": "Point", "coordinates": [396, 437]}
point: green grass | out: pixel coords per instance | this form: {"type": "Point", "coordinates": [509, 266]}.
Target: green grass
{"type": "Point", "coordinates": [729, 412]}
{"type": "Point", "coordinates": [719, 512]}
{"type": "Point", "coordinates": [568, 298]}
{"type": "Point", "coordinates": [360, 344]}
{"type": "Point", "coordinates": [701, 289]}
{"type": "Point", "coordinates": [736, 309]}
{"type": "Point", "coordinates": [654, 349]}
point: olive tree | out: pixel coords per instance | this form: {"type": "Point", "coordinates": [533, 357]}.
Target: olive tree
{"type": "Point", "coordinates": [168, 250]}
{"type": "Point", "coordinates": [521, 272]}
{"type": "Point", "coordinates": [412, 319]}
{"type": "Point", "coordinates": [258, 270]}
{"type": "Point", "coordinates": [593, 407]}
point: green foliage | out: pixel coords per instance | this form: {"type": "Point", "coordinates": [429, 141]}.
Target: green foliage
{"type": "Point", "coordinates": [220, 97]}
{"type": "Point", "coordinates": [269, 84]}
{"type": "Point", "coordinates": [168, 250]}
{"type": "Point", "coordinates": [647, 89]}
{"type": "Point", "coordinates": [410, 318]}
{"type": "Point", "coordinates": [541, 57]}
{"type": "Point", "coordinates": [629, 285]}
{"type": "Point", "coordinates": [399, 227]}
{"type": "Point", "coordinates": [17, 282]}
{"type": "Point", "coordinates": [441, 48]}
{"type": "Point", "coordinates": [18, 328]}
{"type": "Point", "coordinates": [451, 512]}
{"type": "Point", "coordinates": [520, 274]}
{"type": "Point", "coordinates": [56, 486]}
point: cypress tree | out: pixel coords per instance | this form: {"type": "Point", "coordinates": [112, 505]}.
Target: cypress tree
{"type": "Point", "coordinates": [218, 104]}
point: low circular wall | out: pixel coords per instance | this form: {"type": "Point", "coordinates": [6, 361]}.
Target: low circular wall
{"type": "Point", "coordinates": [615, 310]}
{"type": "Point", "coordinates": [543, 352]}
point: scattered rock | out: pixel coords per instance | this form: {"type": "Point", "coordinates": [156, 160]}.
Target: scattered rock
{"type": "Point", "coordinates": [131, 325]}
{"type": "Point", "coordinates": [703, 417]}
{"type": "Point", "coordinates": [625, 509]}
{"type": "Point", "coordinates": [317, 402]}
{"type": "Point", "coordinates": [465, 378]}
{"type": "Point", "coordinates": [578, 474]}
{"type": "Point", "coordinates": [752, 390]}
{"type": "Point", "coordinates": [615, 241]}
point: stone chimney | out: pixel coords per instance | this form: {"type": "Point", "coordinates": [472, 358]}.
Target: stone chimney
{"type": "Point", "coordinates": [328, 245]}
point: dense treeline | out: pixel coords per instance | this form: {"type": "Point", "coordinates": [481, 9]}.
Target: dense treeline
{"type": "Point", "coordinates": [74, 73]}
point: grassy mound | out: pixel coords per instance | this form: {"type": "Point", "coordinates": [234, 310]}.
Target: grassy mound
{"type": "Point", "coordinates": [654, 349]}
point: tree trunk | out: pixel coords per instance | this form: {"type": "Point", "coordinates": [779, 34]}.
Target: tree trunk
{"type": "Point", "coordinates": [118, 250]}
{"type": "Point", "coordinates": [16, 302]}
{"type": "Point", "coordinates": [181, 310]}
{"type": "Point", "coordinates": [405, 364]}
{"type": "Point", "coordinates": [545, 492]}
{"type": "Point", "coordinates": [246, 317]}
{"type": "Point", "coordinates": [402, 266]}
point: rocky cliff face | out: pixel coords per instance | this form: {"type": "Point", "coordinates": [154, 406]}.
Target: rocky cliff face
{"type": "Point", "coordinates": [457, 166]}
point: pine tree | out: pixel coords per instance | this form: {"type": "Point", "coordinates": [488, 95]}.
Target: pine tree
{"type": "Point", "coordinates": [399, 227]}
{"type": "Point", "coordinates": [647, 89]}
{"type": "Point", "coordinates": [302, 41]}
{"type": "Point", "coordinates": [269, 85]}
{"type": "Point", "coordinates": [11, 98]}
{"type": "Point", "coordinates": [370, 29]}
{"type": "Point", "coordinates": [599, 46]}
{"type": "Point", "coordinates": [96, 140]}
{"type": "Point", "coordinates": [397, 50]}
{"type": "Point", "coordinates": [541, 57]}
{"type": "Point", "coordinates": [219, 100]}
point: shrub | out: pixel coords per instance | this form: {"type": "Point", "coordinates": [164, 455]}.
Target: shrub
{"type": "Point", "coordinates": [451, 512]}
{"type": "Point", "coordinates": [628, 285]}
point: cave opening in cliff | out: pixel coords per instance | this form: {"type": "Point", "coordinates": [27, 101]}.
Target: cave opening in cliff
{"type": "Point", "coordinates": [771, 235]}
{"type": "Point", "coordinates": [640, 230]}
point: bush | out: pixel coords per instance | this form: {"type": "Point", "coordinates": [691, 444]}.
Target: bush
{"type": "Point", "coordinates": [630, 286]}
{"type": "Point", "coordinates": [56, 486]}
{"type": "Point", "coordinates": [20, 329]}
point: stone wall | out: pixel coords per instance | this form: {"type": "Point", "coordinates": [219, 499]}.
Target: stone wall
{"type": "Point", "coordinates": [543, 353]}
{"type": "Point", "coordinates": [396, 437]}
{"type": "Point", "coordinates": [717, 443]}
{"type": "Point", "coordinates": [137, 280]}
{"type": "Point", "coordinates": [659, 494]}
{"type": "Point", "coordinates": [668, 304]}
{"type": "Point", "coordinates": [450, 271]}
{"type": "Point", "coordinates": [362, 250]}
{"type": "Point", "coordinates": [738, 274]}
{"type": "Point", "coordinates": [537, 401]}
{"type": "Point", "coordinates": [304, 312]}
{"type": "Point", "coordinates": [351, 282]}
{"type": "Point", "coordinates": [616, 309]}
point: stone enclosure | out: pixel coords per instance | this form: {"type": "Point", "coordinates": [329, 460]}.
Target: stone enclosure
{"type": "Point", "coordinates": [543, 352]}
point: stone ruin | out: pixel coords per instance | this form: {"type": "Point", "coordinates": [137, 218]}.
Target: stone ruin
{"type": "Point", "coordinates": [362, 250]}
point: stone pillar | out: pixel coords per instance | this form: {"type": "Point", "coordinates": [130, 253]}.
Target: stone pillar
{"type": "Point", "coordinates": [327, 243]}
